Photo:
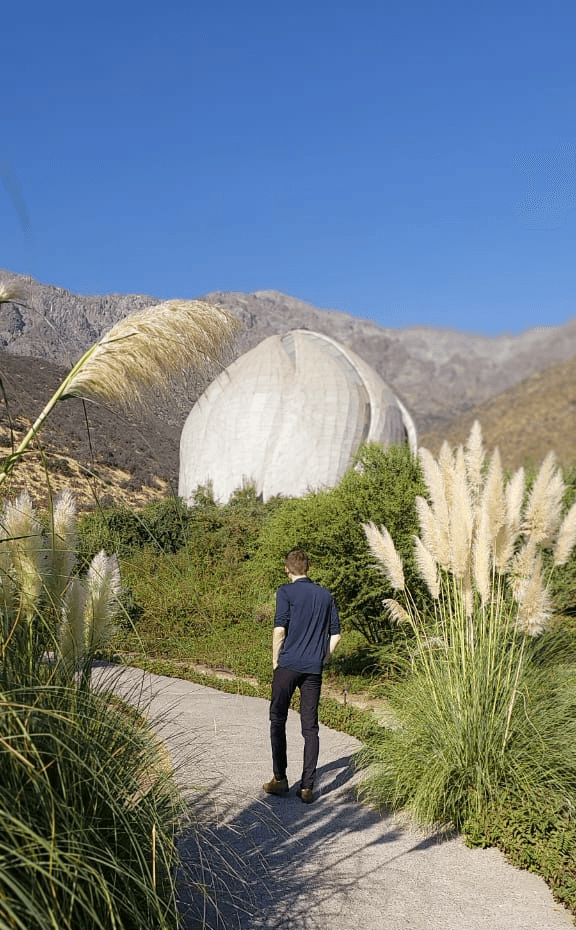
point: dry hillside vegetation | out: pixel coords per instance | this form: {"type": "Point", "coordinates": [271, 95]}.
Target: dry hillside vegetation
{"type": "Point", "coordinates": [525, 421]}
{"type": "Point", "coordinates": [104, 457]}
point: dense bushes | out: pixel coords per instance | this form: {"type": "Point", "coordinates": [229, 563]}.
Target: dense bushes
{"type": "Point", "coordinates": [207, 528]}
{"type": "Point", "coordinates": [162, 525]}
{"type": "Point", "coordinates": [382, 488]}
{"type": "Point", "coordinates": [198, 602]}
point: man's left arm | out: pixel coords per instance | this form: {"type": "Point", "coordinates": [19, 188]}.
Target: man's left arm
{"type": "Point", "coordinates": [281, 621]}
{"type": "Point", "coordinates": [334, 640]}
{"type": "Point", "coordinates": [334, 631]}
{"type": "Point", "coordinates": [278, 637]}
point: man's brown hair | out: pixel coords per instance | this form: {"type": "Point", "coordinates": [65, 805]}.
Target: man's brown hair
{"type": "Point", "coordinates": [297, 562]}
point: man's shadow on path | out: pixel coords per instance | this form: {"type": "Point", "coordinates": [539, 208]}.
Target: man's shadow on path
{"type": "Point", "coordinates": [274, 862]}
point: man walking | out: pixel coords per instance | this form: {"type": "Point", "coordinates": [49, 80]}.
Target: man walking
{"type": "Point", "coordinates": [306, 633]}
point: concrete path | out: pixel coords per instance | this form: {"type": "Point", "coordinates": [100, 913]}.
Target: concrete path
{"type": "Point", "coordinates": [333, 865]}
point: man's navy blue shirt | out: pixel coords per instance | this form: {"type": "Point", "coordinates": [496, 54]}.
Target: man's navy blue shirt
{"type": "Point", "coordinates": [309, 615]}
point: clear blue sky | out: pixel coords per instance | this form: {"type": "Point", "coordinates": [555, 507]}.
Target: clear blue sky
{"type": "Point", "coordinates": [408, 162]}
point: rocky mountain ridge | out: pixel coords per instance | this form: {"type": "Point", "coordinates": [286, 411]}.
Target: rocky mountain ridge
{"type": "Point", "coordinates": [438, 373]}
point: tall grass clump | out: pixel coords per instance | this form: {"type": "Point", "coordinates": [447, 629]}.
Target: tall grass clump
{"type": "Point", "coordinates": [89, 809]}
{"type": "Point", "coordinates": [491, 696]}
{"type": "Point", "coordinates": [87, 816]}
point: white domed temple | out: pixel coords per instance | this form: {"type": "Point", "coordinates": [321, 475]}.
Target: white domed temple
{"type": "Point", "coordinates": [288, 417]}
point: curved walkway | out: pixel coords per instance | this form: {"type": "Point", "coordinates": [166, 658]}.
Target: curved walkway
{"type": "Point", "coordinates": [333, 865]}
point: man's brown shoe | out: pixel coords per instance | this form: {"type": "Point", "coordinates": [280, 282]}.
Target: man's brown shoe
{"type": "Point", "coordinates": [305, 795]}
{"type": "Point", "coordinates": [276, 786]}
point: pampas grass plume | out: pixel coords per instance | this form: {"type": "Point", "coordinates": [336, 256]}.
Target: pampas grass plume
{"type": "Point", "coordinates": [150, 346]}
{"type": "Point", "coordinates": [481, 557]}
{"type": "Point", "coordinates": [544, 504]}
{"type": "Point", "coordinates": [23, 537]}
{"type": "Point", "coordinates": [522, 568]}
{"type": "Point", "coordinates": [103, 590]}
{"type": "Point", "coordinates": [434, 480]}
{"type": "Point", "coordinates": [493, 498]}
{"type": "Point", "coordinates": [474, 458]}
{"type": "Point", "coordinates": [556, 491]}
{"type": "Point", "coordinates": [62, 554]}
{"type": "Point", "coordinates": [446, 467]}
{"type": "Point", "coordinates": [382, 546]}
{"type": "Point", "coordinates": [427, 567]}
{"type": "Point", "coordinates": [436, 542]}
{"type": "Point", "coordinates": [503, 548]}
{"type": "Point", "coordinates": [505, 539]}
{"type": "Point", "coordinates": [73, 626]}
{"type": "Point", "coordinates": [461, 527]}
{"type": "Point", "coordinates": [535, 608]}
{"type": "Point", "coordinates": [435, 484]}
{"type": "Point", "coordinates": [154, 347]}
{"type": "Point", "coordinates": [460, 463]}
{"type": "Point", "coordinates": [514, 500]}
{"type": "Point", "coordinates": [397, 613]}
{"type": "Point", "coordinates": [566, 537]}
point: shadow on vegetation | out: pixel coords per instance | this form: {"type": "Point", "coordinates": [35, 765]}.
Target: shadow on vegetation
{"type": "Point", "coordinates": [278, 863]}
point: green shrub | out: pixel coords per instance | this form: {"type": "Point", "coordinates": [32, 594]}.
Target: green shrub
{"type": "Point", "coordinates": [327, 524]}
{"type": "Point", "coordinates": [179, 594]}
{"type": "Point", "coordinates": [202, 616]}
{"type": "Point", "coordinates": [162, 525]}
{"type": "Point", "coordinates": [190, 602]}
{"type": "Point", "coordinates": [228, 530]}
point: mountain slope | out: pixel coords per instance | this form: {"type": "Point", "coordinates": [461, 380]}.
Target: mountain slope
{"type": "Point", "coordinates": [525, 421]}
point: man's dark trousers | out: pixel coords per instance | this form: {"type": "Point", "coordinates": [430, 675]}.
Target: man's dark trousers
{"type": "Point", "coordinates": [284, 684]}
